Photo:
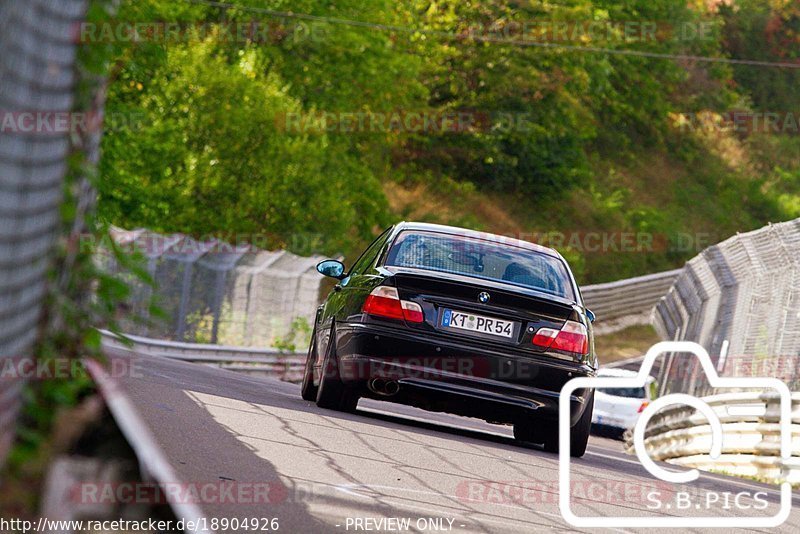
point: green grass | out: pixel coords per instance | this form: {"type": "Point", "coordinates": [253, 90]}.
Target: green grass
{"type": "Point", "coordinates": [628, 343]}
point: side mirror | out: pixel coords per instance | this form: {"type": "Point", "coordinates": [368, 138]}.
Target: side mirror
{"type": "Point", "coordinates": [332, 268]}
{"type": "Point", "coordinates": [590, 315]}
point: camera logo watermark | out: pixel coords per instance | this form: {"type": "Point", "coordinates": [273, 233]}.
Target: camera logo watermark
{"type": "Point", "coordinates": [679, 477]}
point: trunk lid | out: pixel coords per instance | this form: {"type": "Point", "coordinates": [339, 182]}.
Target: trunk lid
{"type": "Point", "coordinates": [452, 305]}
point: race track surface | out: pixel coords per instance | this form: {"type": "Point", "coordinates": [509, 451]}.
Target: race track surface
{"type": "Point", "coordinates": [332, 472]}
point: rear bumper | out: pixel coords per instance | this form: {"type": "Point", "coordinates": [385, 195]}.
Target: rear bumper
{"type": "Point", "coordinates": [441, 374]}
{"type": "Point", "coordinates": [609, 418]}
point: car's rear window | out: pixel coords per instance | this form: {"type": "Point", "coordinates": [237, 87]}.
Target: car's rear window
{"type": "Point", "coordinates": [631, 393]}
{"type": "Point", "coordinates": [484, 259]}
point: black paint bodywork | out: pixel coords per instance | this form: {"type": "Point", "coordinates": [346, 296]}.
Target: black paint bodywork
{"type": "Point", "coordinates": [481, 376]}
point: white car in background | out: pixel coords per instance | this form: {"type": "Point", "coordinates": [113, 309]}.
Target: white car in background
{"type": "Point", "coordinates": [618, 409]}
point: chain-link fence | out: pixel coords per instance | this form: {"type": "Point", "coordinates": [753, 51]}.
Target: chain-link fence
{"type": "Point", "coordinates": [37, 82]}
{"type": "Point", "coordinates": [216, 292]}
{"type": "Point", "coordinates": [740, 299]}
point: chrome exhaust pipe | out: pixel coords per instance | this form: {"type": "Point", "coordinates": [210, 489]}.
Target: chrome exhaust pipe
{"type": "Point", "coordinates": [383, 387]}
{"type": "Point", "coordinates": [377, 386]}
{"type": "Point", "coordinates": [391, 387]}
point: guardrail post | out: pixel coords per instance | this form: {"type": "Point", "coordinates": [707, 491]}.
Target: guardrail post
{"type": "Point", "coordinates": [768, 451]}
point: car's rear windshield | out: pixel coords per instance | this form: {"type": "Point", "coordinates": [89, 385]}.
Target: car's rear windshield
{"type": "Point", "coordinates": [479, 258]}
{"type": "Point", "coordinates": [631, 393]}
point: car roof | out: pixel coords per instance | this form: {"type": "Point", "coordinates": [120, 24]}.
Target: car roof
{"type": "Point", "coordinates": [475, 234]}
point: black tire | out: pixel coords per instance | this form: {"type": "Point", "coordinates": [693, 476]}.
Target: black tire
{"type": "Point", "coordinates": [332, 393]}
{"type": "Point", "coordinates": [539, 431]}
{"type": "Point", "coordinates": [579, 435]}
{"type": "Point", "coordinates": [546, 432]}
{"type": "Point", "coordinates": [308, 390]}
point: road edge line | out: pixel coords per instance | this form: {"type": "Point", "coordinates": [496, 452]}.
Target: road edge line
{"type": "Point", "coordinates": [151, 459]}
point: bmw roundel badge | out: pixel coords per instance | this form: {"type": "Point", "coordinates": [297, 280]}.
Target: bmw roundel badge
{"type": "Point", "coordinates": [483, 297]}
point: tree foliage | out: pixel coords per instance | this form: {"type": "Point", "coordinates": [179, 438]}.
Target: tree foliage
{"type": "Point", "coordinates": [213, 150]}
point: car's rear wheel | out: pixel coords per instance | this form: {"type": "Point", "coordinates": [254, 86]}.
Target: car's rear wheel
{"type": "Point", "coordinates": [546, 432]}
{"type": "Point", "coordinates": [332, 393]}
{"type": "Point", "coordinates": [534, 430]}
{"type": "Point", "coordinates": [579, 434]}
{"type": "Point", "coordinates": [308, 390]}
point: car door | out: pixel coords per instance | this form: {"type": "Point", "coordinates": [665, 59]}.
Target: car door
{"type": "Point", "coordinates": [346, 298]}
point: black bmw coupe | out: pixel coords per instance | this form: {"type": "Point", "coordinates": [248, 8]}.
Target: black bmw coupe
{"type": "Point", "coordinates": [453, 320]}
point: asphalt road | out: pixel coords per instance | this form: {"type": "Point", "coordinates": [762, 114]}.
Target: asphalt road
{"type": "Point", "coordinates": [330, 472]}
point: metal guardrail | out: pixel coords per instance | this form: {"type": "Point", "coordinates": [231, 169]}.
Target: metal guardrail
{"type": "Point", "coordinates": [745, 289]}
{"type": "Point", "coordinates": [751, 437]}
{"type": "Point", "coordinates": [217, 292]}
{"type": "Point", "coordinates": [243, 296]}
{"type": "Point", "coordinates": [287, 366]}
{"type": "Point", "coordinates": [632, 296]}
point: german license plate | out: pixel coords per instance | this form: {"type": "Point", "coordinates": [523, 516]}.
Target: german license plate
{"type": "Point", "coordinates": [477, 323]}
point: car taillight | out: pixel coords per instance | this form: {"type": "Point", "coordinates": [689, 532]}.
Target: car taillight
{"type": "Point", "coordinates": [412, 311]}
{"type": "Point", "coordinates": [545, 336]}
{"type": "Point", "coordinates": [571, 338]}
{"type": "Point", "coordinates": [642, 407]}
{"type": "Point", "coordinates": [385, 302]}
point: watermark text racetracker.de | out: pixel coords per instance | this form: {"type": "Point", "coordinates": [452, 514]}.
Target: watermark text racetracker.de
{"type": "Point", "coordinates": [740, 122]}
{"type": "Point", "coordinates": [159, 32]}
{"type": "Point", "coordinates": [43, 122]}
{"type": "Point", "coordinates": [585, 241]}
{"type": "Point", "coordinates": [30, 368]}
{"type": "Point", "coordinates": [201, 524]}
{"type": "Point", "coordinates": [650, 495]}
{"type": "Point", "coordinates": [289, 29]}
{"type": "Point", "coordinates": [208, 492]}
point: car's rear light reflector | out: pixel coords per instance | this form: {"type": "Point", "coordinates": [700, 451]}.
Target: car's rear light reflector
{"type": "Point", "coordinates": [571, 338]}
{"type": "Point", "coordinates": [544, 337]}
{"type": "Point", "coordinates": [412, 311]}
{"type": "Point", "coordinates": [642, 407]}
{"type": "Point", "coordinates": [384, 301]}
